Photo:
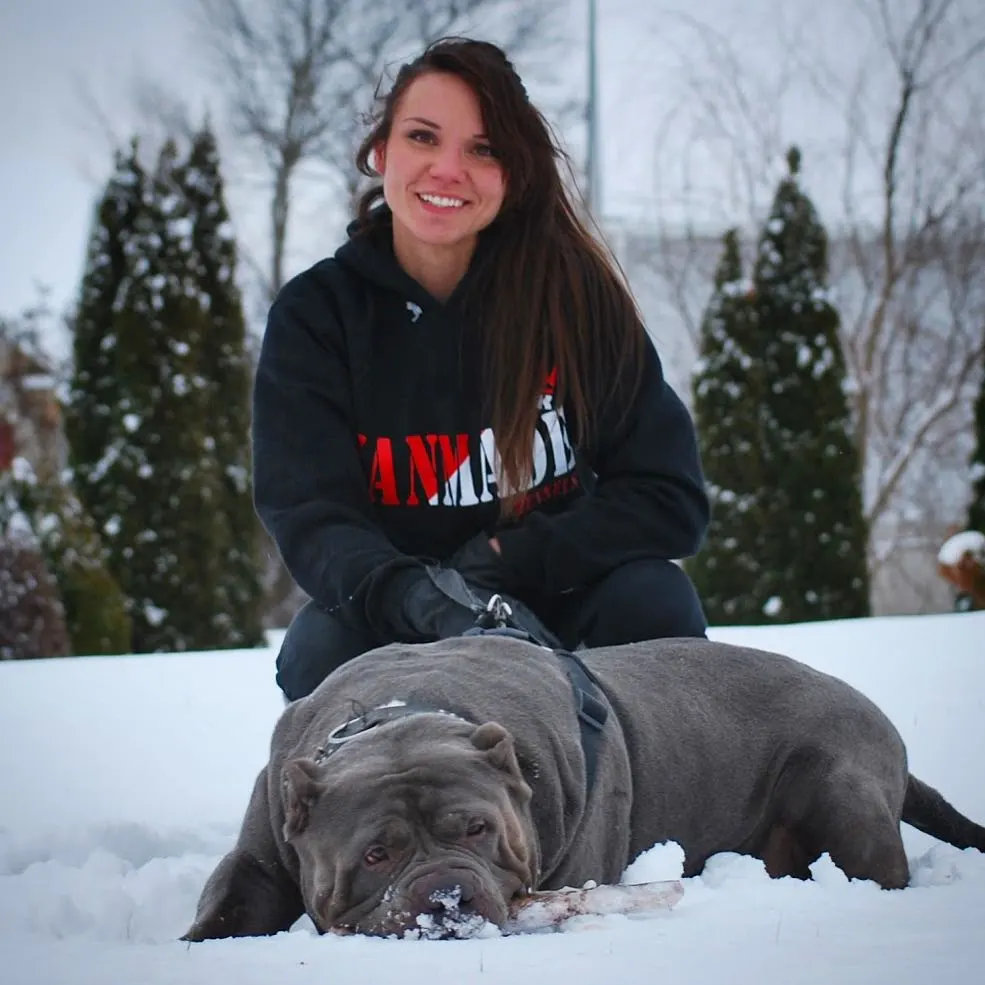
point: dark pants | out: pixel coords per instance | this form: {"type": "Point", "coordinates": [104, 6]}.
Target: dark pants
{"type": "Point", "coordinates": [642, 600]}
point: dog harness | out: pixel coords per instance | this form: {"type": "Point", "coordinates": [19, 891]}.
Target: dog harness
{"type": "Point", "coordinates": [590, 703]}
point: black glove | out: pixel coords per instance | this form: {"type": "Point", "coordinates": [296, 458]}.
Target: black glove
{"type": "Point", "coordinates": [440, 604]}
{"type": "Point", "coordinates": [479, 564]}
{"type": "Point", "coordinates": [431, 609]}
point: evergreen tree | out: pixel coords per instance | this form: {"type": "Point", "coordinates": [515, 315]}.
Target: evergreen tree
{"type": "Point", "coordinates": [815, 554]}
{"type": "Point", "coordinates": [727, 394]}
{"type": "Point", "coordinates": [224, 364]}
{"type": "Point", "coordinates": [976, 511]}
{"type": "Point", "coordinates": [94, 390]}
{"type": "Point", "coordinates": [175, 523]}
{"type": "Point", "coordinates": [102, 407]}
{"type": "Point", "coordinates": [124, 350]}
{"type": "Point", "coordinates": [154, 341]}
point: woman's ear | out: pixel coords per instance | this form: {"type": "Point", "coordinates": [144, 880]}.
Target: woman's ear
{"type": "Point", "coordinates": [377, 158]}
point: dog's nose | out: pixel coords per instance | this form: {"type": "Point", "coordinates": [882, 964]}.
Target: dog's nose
{"type": "Point", "coordinates": [442, 894]}
{"type": "Point", "coordinates": [450, 898]}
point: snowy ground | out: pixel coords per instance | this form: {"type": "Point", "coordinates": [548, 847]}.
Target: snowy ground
{"type": "Point", "coordinates": [123, 780]}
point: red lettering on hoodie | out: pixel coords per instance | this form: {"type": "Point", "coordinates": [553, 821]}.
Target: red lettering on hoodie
{"type": "Point", "coordinates": [382, 475]}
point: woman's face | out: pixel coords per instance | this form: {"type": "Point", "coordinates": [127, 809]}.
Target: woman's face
{"type": "Point", "coordinates": [441, 178]}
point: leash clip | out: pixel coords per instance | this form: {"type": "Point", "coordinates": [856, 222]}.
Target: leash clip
{"type": "Point", "coordinates": [498, 614]}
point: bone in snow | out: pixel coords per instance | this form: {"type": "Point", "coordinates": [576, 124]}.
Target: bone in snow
{"type": "Point", "coordinates": [550, 908]}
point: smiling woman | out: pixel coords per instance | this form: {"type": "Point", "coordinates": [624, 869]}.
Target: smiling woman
{"type": "Point", "coordinates": [463, 402]}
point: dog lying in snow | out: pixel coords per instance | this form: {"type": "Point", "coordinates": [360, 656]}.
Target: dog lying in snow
{"type": "Point", "coordinates": [477, 769]}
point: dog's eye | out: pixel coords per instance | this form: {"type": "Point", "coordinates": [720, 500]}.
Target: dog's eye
{"type": "Point", "coordinates": [475, 828]}
{"type": "Point", "coordinates": [376, 855]}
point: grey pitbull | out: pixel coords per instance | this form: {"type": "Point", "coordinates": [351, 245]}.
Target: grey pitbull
{"type": "Point", "coordinates": [456, 770]}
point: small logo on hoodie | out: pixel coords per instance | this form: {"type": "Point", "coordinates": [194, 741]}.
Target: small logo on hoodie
{"type": "Point", "coordinates": [415, 310]}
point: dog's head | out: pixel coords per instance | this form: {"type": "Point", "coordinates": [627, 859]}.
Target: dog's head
{"type": "Point", "coordinates": [420, 825]}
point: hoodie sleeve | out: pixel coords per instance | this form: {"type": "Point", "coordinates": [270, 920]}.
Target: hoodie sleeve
{"type": "Point", "coordinates": [308, 482]}
{"type": "Point", "coordinates": [648, 500]}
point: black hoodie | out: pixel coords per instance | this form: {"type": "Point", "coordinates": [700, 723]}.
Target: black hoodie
{"type": "Point", "coordinates": [370, 452]}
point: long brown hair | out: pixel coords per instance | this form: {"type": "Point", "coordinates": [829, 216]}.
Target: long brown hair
{"type": "Point", "coordinates": [550, 296]}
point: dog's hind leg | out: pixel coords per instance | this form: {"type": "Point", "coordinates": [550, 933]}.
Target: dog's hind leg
{"type": "Point", "coordinates": [783, 854]}
{"type": "Point", "coordinates": [852, 820]}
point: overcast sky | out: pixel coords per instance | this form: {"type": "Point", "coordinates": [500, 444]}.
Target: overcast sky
{"type": "Point", "coordinates": [51, 52]}
{"type": "Point", "coordinates": [53, 157]}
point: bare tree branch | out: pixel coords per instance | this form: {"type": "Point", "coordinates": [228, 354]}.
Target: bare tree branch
{"type": "Point", "coordinates": [722, 111]}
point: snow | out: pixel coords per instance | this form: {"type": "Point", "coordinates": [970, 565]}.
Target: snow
{"type": "Point", "coordinates": [154, 614]}
{"type": "Point", "coordinates": [110, 457]}
{"type": "Point", "coordinates": [124, 780]}
{"type": "Point", "coordinates": [37, 381]}
{"type": "Point", "coordinates": [967, 542]}
{"type": "Point", "coordinates": [773, 607]}
{"type": "Point", "coordinates": [22, 471]}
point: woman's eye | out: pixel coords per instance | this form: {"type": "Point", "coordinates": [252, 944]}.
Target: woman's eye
{"type": "Point", "coordinates": [484, 150]}
{"type": "Point", "coordinates": [421, 136]}
{"type": "Point", "coordinates": [376, 855]}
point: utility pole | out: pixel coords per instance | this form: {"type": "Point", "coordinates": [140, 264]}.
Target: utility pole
{"type": "Point", "coordinates": [593, 178]}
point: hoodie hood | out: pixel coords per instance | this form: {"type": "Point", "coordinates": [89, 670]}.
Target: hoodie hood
{"type": "Point", "coordinates": [368, 252]}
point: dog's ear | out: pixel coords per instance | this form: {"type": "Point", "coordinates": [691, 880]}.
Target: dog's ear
{"type": "Point", "coordinates": [302, 787]}
{"type": "Point", "coordinates": [497, 743]}
{"type": "Point", "coordinates": [489, 737]}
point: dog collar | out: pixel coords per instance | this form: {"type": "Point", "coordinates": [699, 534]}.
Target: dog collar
{"type": "Point", "coordinates": [368, 721]}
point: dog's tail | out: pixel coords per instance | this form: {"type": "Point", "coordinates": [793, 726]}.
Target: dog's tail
{"type": "Point", "coordinates": [929, 812]}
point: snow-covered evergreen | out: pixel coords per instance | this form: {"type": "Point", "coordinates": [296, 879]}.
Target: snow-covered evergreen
{"type": "Point", "coordinates": [815, 551]}
{"type": "Point", "coordinates": [727, 394]}
{"type": "Point", "coordinates": [158, 308]}
{"type": "Point", "coordinates": [225, 366]}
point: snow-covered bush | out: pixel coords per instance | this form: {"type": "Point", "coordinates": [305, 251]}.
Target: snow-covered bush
{"type": "Point", "coordinates": [52, 523]}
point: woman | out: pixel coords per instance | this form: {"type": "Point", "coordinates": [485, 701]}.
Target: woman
{"type": "Point", "coordinates": [466, 386]}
